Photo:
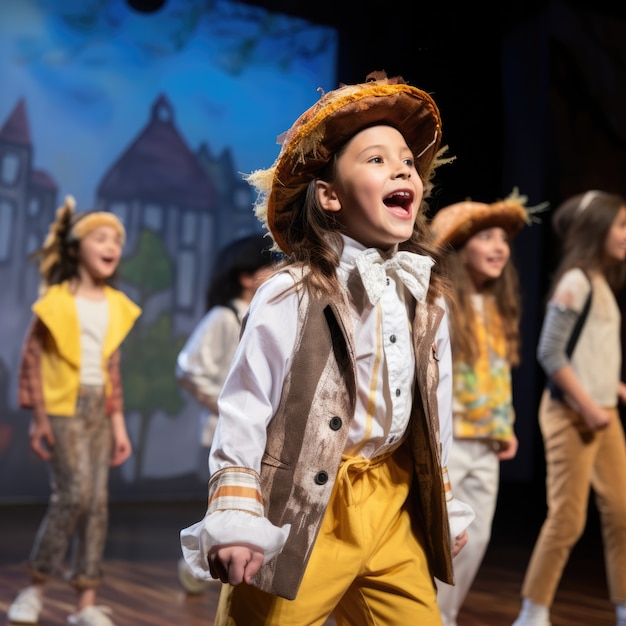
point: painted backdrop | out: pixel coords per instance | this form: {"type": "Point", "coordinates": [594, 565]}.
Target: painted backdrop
{"type": "Point", "coordinates": [153, 117]}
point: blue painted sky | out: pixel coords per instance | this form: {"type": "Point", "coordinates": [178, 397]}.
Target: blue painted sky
{"type": "Point", "coordinates": [89, 71]}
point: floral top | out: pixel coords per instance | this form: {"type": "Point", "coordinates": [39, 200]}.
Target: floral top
{"type": "Point", "coordinates": [483, 406]}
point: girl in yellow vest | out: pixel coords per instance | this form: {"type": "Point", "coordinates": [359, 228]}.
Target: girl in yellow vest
{"type": "Point", "coordinates": [328, 491]}
{"type": "Point", "coordinates": [70, 379]}
{"type": "Point", "coordinates": [484, 313]}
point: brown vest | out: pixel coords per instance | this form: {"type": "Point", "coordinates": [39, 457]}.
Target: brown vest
{"type": "Point", "coordinates": [307, 436]}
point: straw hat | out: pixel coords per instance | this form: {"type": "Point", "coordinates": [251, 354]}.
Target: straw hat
{"type": "Point", "coordinates": [456, 223]}
{"type": "Point", "coordinates": [321, 130]}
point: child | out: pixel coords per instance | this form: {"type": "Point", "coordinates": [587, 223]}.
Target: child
{"type": "Point", "coordinates": [582, 432]}
{"type": "Point", "coordinates": [484, 314]}
{"type": "Point", "coordinates": [328, 489]}
{"type": "Point", "coordinates": [202, 365]}
{"type": "Point", "coordinates": [70, 378]}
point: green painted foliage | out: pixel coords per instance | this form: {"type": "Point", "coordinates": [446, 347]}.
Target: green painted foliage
{"type": "Point", "coordinates": [148, 366]}
{"type": "Point", "coordinates": [150, 268]}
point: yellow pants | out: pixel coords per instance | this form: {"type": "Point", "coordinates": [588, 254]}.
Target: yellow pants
{"type": "Point", "coordinates": [367, 567]}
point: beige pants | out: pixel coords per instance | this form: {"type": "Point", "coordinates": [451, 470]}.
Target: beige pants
{"type": "Point", "coordinates": [577, 460]}
{"type": "Point", "coordinates": [367, 566]}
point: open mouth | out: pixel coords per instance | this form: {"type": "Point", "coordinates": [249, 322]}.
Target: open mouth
{"type": "Point", "coordinates": [399, 199]}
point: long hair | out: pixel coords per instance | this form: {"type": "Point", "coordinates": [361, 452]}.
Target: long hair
{"type": "Point", "coordinates": [314, 238]}
{"type": "Point", "coordinates": [582, 224]}
{"type": "Point", "coordinates": [506, 295]}
{"type": "Point", "coordinates": [242, 256]}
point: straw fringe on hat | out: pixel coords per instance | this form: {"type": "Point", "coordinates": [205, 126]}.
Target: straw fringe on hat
{"type": "Point", "coordinates": [325, 127]}
{"type": "Point", "coordinates": [456, 223]}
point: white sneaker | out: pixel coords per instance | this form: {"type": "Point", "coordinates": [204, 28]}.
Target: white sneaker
{"type": "Point", "coordinates": [189, 582]}
{"type": "Point", "coordinates": [533, 615]}
{"type": "Point", "coordinates": [25, 608]}
{"type": "Point", "coordinates": [91, 616]}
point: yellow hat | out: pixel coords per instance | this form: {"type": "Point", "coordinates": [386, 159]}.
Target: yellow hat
{"type": "Point", "coordinates": [321, 130]}
{"type": "Point", "coordinates": [84, 223]}
{"type": "Point", "coordinates": [68, 227]}
{"type": "Point", "coordinates": [456, 223]}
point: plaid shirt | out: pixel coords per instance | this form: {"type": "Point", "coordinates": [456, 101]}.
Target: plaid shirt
{"type": "Point", "coordinates": [30, 390]}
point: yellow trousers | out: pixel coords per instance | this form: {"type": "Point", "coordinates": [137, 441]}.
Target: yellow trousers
{"type": "Point", "coordinates": [367, 567]}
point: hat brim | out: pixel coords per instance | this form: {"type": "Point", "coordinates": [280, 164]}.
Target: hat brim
{"type": "Point", "coordinates": [456, 223]}
{"type": "Point", "coordinates": [336, 118]}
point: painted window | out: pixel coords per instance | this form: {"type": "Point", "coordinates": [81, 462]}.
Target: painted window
{"type": "Point", "coordinates": [185, 280]}
{"type": "Point", "coordinates": [6, 227]}
{"type": "Point", "coordinates": [189, 229]}
{"type": "Point", "coordinates": [153, 217]}
{"type": "Point", "coordinates": [10, 168]}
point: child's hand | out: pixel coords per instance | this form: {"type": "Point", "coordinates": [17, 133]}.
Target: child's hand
{"type": "Point", "coordinates": [621, 392]}
{"type": "Point", "coordinates": [596, 417]}
{"type": "Point", "coordinates": [40, 432]}
{"type": "Point", "coordinates": [510, 451]}
{"type": "Point", "coordinates": [459, 542]}
{"type": "Point", "coordinates": [235, 564]}
{"type": "Point", "coordinates": [122, 447]}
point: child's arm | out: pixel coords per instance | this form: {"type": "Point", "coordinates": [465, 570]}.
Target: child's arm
{"type": "Point", "coordinates": [557, 327]}
{"type": "Point", "coordinates": [122, 447]}
{"type": "Point", "coordinates": [235, 519]}
{"type": "Point", "coordinates": [595, 416]}
{"type": "Point", "coordinates": [203, 362]}
{"type": "Point", "coordinates": [31, 390]}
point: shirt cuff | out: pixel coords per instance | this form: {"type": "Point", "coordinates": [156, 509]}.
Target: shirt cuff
{"type": "Point", "coordinates": [460, 514]}
{"type": "Point", "coordinates": [229, 527]}
{"type": "Point", "coordinates": [236, 488]}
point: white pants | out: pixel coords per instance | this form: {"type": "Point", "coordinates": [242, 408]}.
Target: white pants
{"type": "Point", "coordinates": [474, 471]}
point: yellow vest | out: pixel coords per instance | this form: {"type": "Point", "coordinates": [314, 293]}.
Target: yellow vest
{"type": "Point", "coordinates": [60, 361]}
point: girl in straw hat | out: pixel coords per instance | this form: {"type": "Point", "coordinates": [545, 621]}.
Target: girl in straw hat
{"type": "Point", "coordinates": [70, 379]}
{"type": "Point", "coordinates": [328, 490]}
{"type": "Point", "coordinates": [484, 313]}
{"type": "Point", "coordinates": [579, 419]}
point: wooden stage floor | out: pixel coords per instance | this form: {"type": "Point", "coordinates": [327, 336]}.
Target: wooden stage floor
{"type": "Point", "coordinates": [142, 589]}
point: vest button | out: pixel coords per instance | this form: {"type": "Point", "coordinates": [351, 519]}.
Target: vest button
{"type": "Point", "coordinates": [335, 423]}
{"type": "Point", "coordinates": [398, 392]}
{"type": "Point", "coordinates": [392, 338]}
{"type": "Point", "coordinates": [321, 478]}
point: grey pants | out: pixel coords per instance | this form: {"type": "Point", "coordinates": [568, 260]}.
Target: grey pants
{"type": "Point", "coordinates": [78, 505]}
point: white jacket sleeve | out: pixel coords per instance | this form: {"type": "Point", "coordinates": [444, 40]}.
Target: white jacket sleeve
{"type": "Point", "coordinates": [460, 514]}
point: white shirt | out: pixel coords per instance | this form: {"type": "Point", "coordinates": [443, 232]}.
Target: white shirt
{"type": "Point", "coordinates": [93, 318]}
{"type": "Point", "coordinates": [253, 387]}
{"type": "Point", "coordinates": [205, 359]}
